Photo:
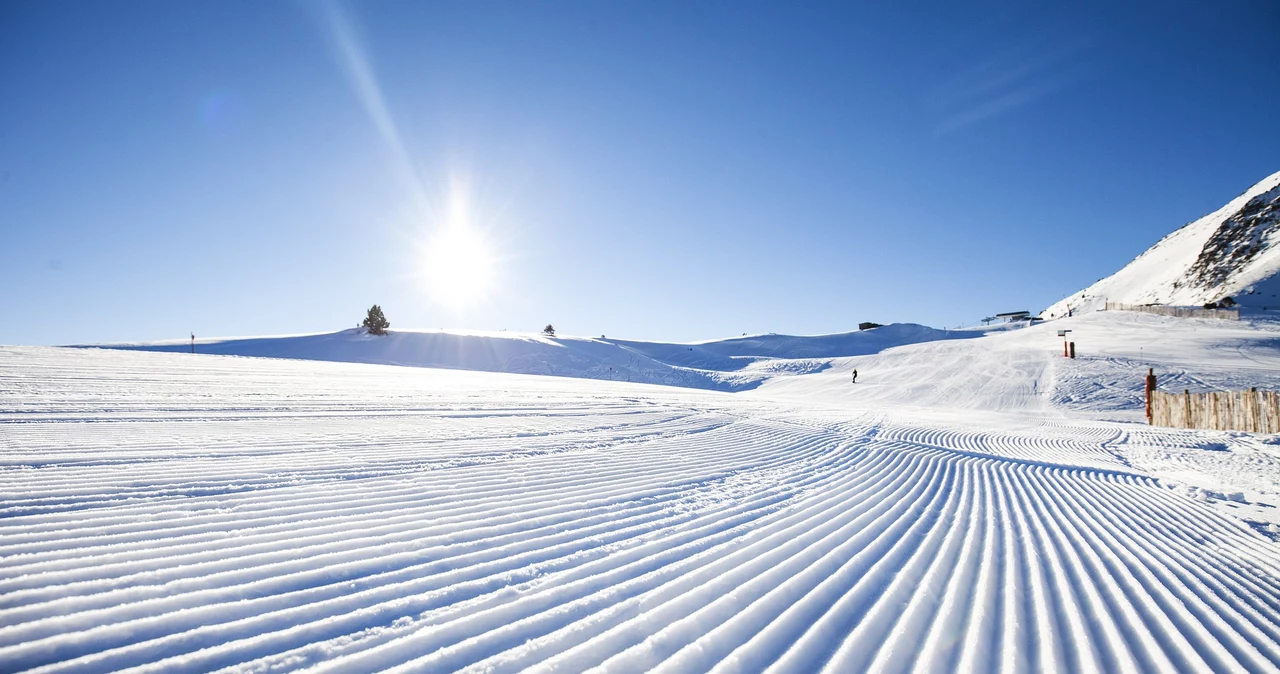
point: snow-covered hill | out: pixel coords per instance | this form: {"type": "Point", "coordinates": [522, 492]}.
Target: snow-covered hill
{"type": "Point", "coordinates": [1232, 252]}
{"type": "Point", "coordinates": [1022, 370]}
{"type": "Point", "coordinates": [168, 512]}
{"type": "Point", "coordinates": [975, 502]}
{"type": "Point", "coordinates": [727, 365]}
{"type": "Point", "coordinates": [1013, 370]}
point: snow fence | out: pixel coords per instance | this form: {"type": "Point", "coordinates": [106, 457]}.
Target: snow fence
{"type": "Point", "coordinates": [1177, 312]}
{"type": "Point", "coordinates": [1253, 410]}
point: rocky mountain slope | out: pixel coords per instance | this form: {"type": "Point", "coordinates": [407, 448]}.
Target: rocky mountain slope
{"type": "Point", "coordinates": [1232, 252]}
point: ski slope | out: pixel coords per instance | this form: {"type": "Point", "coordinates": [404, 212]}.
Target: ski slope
{"type": "Point", "coordinates": [1023, 369]}
{"type": "Point", "coordinates": [734, 364]}
{"type": "Point", "coordinates": [975, 505]}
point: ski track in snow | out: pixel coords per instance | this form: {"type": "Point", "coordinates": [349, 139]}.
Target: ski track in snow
{"type": "Point", "coordinates": [164, 513]}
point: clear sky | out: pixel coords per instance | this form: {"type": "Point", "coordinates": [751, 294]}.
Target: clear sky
{"type": "Point", "coordinates": [651, 170]}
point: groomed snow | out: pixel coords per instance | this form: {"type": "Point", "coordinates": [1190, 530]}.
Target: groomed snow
{"type": "Point", "coordinates": [975, 505]}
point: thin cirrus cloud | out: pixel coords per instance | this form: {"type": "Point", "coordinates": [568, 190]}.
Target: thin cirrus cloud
{"type": "Point", "coordinates": [1003, 82]}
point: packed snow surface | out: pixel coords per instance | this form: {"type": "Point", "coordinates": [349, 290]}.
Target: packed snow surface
{"type": "Point", "coordinates": [972, 504]}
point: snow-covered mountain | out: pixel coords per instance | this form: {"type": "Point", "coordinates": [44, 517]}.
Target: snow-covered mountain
{"type": "Point", "coordinates": [967, 505]}
{"type": "Point", "coordinates": [1232, 252]}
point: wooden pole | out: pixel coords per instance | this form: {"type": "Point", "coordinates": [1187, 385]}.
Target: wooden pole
{"type": "Point", "coordinates": [1073, 351]}
{"type": "Point", "coordinates": [1150, 389]}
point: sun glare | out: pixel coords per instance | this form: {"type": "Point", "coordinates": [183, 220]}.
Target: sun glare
{"type": "Point", "coordinates": [459, 266]}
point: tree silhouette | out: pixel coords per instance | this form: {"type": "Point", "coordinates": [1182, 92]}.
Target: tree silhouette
{"type": "Point", "coordinates": [549, 331]}
{"type": "Point", "coordinates": [375, 321]}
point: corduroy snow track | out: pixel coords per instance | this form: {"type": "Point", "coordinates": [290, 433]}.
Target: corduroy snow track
{"type": "Point", "coordinates": [176, 513]}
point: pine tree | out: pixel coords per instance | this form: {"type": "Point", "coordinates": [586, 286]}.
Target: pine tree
{"type": "Point", "coordinates": [549, 331]}
{"type": "Point", "coordinates": [375, 321]}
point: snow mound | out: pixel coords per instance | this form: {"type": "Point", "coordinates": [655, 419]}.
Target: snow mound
{"type": "Point", "coordinates": [1232, 252]}
{"type": "Point", "coordinates": [725, 365]}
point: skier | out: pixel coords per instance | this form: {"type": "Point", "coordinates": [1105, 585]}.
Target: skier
{"type": "Point", "coordinates": [855, 376]}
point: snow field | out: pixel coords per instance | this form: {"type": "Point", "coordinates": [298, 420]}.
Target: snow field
{"type": "Point", "coordinates": [1018, 379]}
{"type": "Point", "coordinates": [735, 364]}
{"type": "Point", "coordinates": [163, 512]}
{"type": "Point", "coordinates": [1022, 370]}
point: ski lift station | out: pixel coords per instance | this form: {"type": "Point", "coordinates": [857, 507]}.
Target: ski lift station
{"type": "Point", "coordinates": [1011, 316]}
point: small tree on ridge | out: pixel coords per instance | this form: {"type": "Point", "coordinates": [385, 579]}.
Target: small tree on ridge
{"type": "Point", "coordinates": [549, 331]}
{"type": "Point", "coordinates": [376, 322]}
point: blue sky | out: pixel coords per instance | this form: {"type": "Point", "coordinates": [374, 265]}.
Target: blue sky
{"type": "Point", "coordinates": [650, 170]}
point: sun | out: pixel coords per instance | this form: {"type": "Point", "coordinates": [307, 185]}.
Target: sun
{"type": "Point", "coordinates": [460, 266]}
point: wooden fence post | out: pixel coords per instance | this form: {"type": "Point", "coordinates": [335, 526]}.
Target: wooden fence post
{"type": "Point", "coordinates": [1252, 403]}
{"type": "Point", "coordinates": [1151, 389]}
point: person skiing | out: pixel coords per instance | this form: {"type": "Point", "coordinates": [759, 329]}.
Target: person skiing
{"type": "Point", "coordinates": [855, 376]}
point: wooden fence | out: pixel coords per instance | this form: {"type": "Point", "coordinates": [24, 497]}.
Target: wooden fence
{"type": "Point", "coordinates": [1179, 312]}
{"type": "Point", "coordinates": [1253, 410]}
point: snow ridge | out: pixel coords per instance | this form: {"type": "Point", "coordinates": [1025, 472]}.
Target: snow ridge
{"type": "Point", "coordinates": [1232, 252]}
{"type": "Point", "coordinates": [734, 364]}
